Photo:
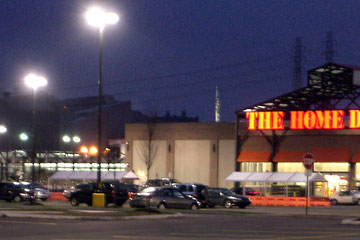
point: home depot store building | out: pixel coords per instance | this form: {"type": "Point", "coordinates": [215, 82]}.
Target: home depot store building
{"type": "Point", "coordinates": [322, 118]}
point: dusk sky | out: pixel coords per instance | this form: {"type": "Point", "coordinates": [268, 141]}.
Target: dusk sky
{"type": "Point", "coordinates": [169, 55]}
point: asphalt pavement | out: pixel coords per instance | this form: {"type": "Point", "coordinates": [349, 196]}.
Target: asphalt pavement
{"type": "Point", "coordinates": [349, 214]}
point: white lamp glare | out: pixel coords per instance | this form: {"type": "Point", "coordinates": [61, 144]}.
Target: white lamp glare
{"type": "Point", "coordinates": [33, 81]}
{"type": "Point", "coordinates": [98, 18]}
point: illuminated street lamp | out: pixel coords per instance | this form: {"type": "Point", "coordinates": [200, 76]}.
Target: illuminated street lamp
{"type": "Point", "coordinates": [98, 18]}
{"type": "Point", "coordinates": [34, 81]}
{"type": "Point", "coordinates": [23, 137]}
{"type": "Point", "coordinates": [3, 129]}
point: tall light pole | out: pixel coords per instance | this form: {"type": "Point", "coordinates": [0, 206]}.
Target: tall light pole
{"type": "Point", "coordinates": [34, 81]}
{"type": "Point", "coordinates": [97, 17]}
{"type": "Point", "coordinates": [3, 130]}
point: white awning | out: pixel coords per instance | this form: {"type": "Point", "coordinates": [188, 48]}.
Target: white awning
{"type": "Point", "coordinates": [273, 177]}
{"type": "Point", "coordinates": [92, 175]}
{"type": "Point", "coordinates": [61, 175]}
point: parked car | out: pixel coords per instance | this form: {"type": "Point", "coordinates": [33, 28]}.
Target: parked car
{"type": "Point", "coordinates": [17, 192]}
{"type": "Point", "coordinates": [194, 190]}
{"type": "Point", "coordinates": [82, 193]}
{"type": "Point", "coordinates": [225, 197]}
{"type": "Point", "coordinates": [40, 191]}
{"type": "Point", "coordinates": [160, 182]}
{"type": "Point", "coordinates": [248, 191]}
{"type": "Point", "coordinates": [132, 189]}
{"type": "Point", "coordinates": [163, 197]}
{"type": "Point", "coordinates": [345, 197]}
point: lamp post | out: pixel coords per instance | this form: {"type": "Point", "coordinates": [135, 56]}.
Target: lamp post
{"type": "Point", "coordinates": [34, 81]}
{"type": "Point", "coordinates": [75, 139]}
{"type": "Point", "coordinates": [98, 18]}
{"type": "Point", "coordinates": [3, 130]}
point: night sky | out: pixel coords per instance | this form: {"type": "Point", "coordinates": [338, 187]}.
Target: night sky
{"type": "Point", "coordinates": [169, 55]}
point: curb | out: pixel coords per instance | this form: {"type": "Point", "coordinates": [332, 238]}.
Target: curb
{"type": "Point", "coordinates": [103, 218]}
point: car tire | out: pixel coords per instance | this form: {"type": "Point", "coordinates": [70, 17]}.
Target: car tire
{"type": "Point", "coordinates": [334, 202]}
{"type": "Point", "coordinates": [194, 207]}
{"type": "Point", "coordinates": [74, 202]}
{"type": "Point", "coordinates": [43, 199]}
{"type": "Point", "coordinates": [17, 199]}
{"type": "Point", "coordinates": [161, 206]}
{"type": "Point", "coordinates": [228, 204]}
{"type": "Point", "coordinates": [8, 200]}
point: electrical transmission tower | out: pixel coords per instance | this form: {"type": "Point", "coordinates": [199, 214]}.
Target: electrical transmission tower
{"type": "Point", "coordinates": [298, 55]}
{"type": "Point", "coordinates": [329, 47]}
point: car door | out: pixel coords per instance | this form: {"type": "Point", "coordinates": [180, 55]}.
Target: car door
{"type": "Point", "coordinates": [180, 201]}
{"type": "Point", "coordinates": [214, 197]}
{"type": "Point", "coordinates": [166, 195]}
{"type": "Point", "coordinates": [345, 197]}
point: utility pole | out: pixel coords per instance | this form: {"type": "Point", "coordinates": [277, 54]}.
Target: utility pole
{"type": "Point", "coordinates": [217, 105]}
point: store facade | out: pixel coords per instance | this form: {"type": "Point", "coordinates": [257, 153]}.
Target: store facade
{"type": "Point", "coordinates": [322, 118]}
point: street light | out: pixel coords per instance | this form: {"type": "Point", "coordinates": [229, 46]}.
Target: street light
{"type": "Point", "coordinates": [34, 81]}
{"type": "Point", "coordinates": [75, 139]}
{"type": "Point", "coordinates": [97, 17]}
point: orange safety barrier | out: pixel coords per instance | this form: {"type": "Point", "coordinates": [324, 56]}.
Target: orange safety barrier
{"type": "Point", "coordinates": [287, 201]}
{"type": "Point", "coordinates": [58, 196]}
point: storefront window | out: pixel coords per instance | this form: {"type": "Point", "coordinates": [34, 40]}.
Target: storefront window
{"type": "Point", "coordinates": [256, 167]}
{"type": "Point", "coordinates": [290, 167]}
{"type": "Point", "coordinates": [331, 167]}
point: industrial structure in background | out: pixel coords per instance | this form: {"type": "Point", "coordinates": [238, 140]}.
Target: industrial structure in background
{"type": "Point", "coordinates": [59, 122]}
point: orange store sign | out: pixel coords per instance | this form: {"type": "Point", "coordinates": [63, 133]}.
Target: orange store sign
{"type": "Point", "coordinates": [328, 119]}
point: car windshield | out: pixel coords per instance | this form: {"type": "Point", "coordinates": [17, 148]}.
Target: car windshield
{"type": "Point", "coordinates": [227, 192]}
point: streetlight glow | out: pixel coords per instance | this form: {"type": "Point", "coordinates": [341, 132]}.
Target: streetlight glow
{"type": "Point", "coordinates": [34, 81]}
{"type": "Point", "coordinates": [76, 139]}
{"type": "Point", "coordinates": [66, 138]}
{"type": "Point", "coordinates": [84, 150]}
{"type": "Point", "coordinates": [3, 129]}
{"type": "Point", "coordinates": [97, 17]}
{"type": "Point", "coordinates": [23, 137]}
{"type": "Point", "coordinates": [93, 150]}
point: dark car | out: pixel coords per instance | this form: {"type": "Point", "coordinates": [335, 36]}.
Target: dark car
{"type": "Point", "coordinates": [160, 182]}
{"type": "Point", "coordinates": [163, 197]}
{"type": "Point", "coordinates": [83, 193]}
{"type": "Point", "coordinates": [193, 189]}
{"type": "Point", "coordinates": [17, 192]}
{"type": "Point", "coordinates": [132, 189]}
{"type": "Point", "coordinates": [248, 191]}
{"type": "Point", "coordinates": [225, 197]}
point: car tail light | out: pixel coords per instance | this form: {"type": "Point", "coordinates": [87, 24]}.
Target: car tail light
{"type": "Point", "coordinates": [254, 193]}
{"type": "Point", "coordinates": [195, 195]}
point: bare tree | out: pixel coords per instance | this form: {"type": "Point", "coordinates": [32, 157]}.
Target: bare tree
{"type": "Point", "coordinates": [149, 148]}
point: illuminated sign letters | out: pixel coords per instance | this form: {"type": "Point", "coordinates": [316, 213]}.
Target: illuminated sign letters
{"type": "Point", "coordinates": [328, 119]}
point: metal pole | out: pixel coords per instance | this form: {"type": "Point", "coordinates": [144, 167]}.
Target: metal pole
{"type": "Point", "coordinates": [307, 193]}
{"type": "Point", "coordinates": [33, 154]}
{"type": "Point", "coordinates": [100, 106]}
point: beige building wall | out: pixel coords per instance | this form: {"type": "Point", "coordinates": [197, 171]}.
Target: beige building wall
{"type": "Point", "coordinates": [226, 162]}
{"type": "Point", "coordinates": [158, 168]}
{"type": "Point", "coordinates": [192, 161]}
{"type": "Point", "coordinates": [190, 152]}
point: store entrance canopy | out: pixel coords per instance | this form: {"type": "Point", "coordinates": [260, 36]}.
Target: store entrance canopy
{"type": "Point", "coordinates": [273, 177]}
{"type": "Point", "coordinates": [92, 175]}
